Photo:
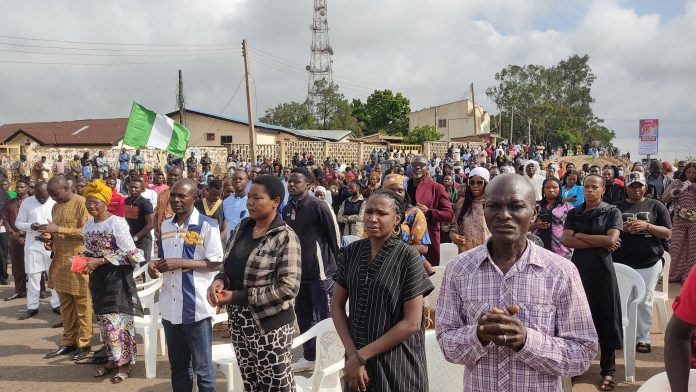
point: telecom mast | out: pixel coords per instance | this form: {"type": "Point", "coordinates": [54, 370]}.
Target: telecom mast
{"type": "Point", "coordinates": [320, 62]}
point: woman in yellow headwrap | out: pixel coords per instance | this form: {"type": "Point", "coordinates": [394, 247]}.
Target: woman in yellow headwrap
{"type": "Point", "coordinates": [374, 183]}
{"type": "Point", "coordinates": [111, 256]}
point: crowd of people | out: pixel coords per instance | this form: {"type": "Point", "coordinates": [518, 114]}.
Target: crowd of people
{"type": "Point", "coordinates": [534, 285]}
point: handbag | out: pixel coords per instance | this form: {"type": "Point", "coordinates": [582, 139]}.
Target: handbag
{"type": "Point", "coordinates": [685, 213]}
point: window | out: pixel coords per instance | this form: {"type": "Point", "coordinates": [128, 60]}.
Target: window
{"type": "Point", "coordinates": [210, 136]}
{"type": "Point", "coordinates": [442, 123]}
{"type": "Point", "coordinates": [225, 140]}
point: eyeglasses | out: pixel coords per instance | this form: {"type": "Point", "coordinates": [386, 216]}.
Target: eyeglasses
{"type": "Point", "coordinates": [419, 164]}
{"type": "Point", "coordinates": [477, 182]}
{"type": "Point", "coordinates": [94, 202]}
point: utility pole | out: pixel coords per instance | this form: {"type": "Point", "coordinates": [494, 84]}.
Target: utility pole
{"type": "Point", "coordinates": [473, 102]}
{"type": "Point", "coordinates": [181, 101]}
{"type": "Point", "coordinates": [529, 131]}
{"type": "Point", "coordinates": [250, 108]}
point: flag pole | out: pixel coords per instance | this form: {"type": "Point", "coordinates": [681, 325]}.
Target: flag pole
{"type": "Point", "coordinates": [250, 108]}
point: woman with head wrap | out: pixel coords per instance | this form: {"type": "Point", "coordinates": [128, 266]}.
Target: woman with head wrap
{"type": "Point", "coordinates": [111, 255]}
{"type": "Point", "coordinates": [373, 183]}
{"type": "Point", "coordinates": [414, 228]}
{"type": "Point", "coordinates": [470, 229]}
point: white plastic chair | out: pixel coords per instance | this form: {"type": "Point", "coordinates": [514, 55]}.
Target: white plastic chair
{"type": "Point", "coordinates": [329, 362]}
{"type": "Point", "coordinates": [442, 375]}
{"type": "Point", "coordinates": [147, 326]}
{"type": "Point", "coordinates": [659, 383]}
{"type": "Point", "coordinates": [448, 252]}
{"type": "Point", "coordinates": [348, 239]}
{"type": "Point", "coordinates": [631, 291]}
{"type": "Point", "coordinates": [660, 298]}
{"type": "Point", "coordinates": [431, 299]}
{"type": "Point", "coordinates": [225, 360]}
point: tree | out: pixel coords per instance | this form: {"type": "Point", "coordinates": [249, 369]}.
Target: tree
{"type": "Point", "coordinates": [292, 115]}
{"type": "Point", "coordinates": [330, 108]}
{"type": "Point", "coordinates": [555, 101]}
{"type": "Point", "coordinates": [383, 111]}
{"type": "Point", "coordinates": [425, 133]}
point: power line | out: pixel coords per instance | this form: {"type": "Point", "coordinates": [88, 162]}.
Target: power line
{"type": "Point", "coordinates": [116, 50]}
{"type": "Point", "coordinates": [115, 54]}
{"type": "Point", "coordinates": [113, 43]}
{"type": "Point", "coordinates": [121, 63]}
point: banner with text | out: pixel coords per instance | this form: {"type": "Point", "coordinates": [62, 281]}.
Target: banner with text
{"type": "Point", "coordinates": [647, 136]}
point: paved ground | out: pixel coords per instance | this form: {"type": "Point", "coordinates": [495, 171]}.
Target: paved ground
{"type": "Point", "coordinates": [23, 344]}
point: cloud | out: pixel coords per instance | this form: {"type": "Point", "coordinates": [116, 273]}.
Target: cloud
{"type": "Point", "coordinates": [430, 51]}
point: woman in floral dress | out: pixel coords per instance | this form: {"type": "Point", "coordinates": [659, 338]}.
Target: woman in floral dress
{"type": "Point", "coordinates": [111, 256]}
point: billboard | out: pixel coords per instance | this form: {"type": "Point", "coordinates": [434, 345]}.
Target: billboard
{"type": "Point", "coordinates": [647, 137]}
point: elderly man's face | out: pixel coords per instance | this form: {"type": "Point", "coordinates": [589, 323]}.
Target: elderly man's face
{"type": "Point", "coordinates": [510, 208]}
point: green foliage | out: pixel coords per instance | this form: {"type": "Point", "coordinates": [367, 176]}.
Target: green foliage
{"type": "Point", "coordinates": [425, 133]}
{"type": "Point", "coordinates": [554, 102]}
{"type": "Point", "coordinates": [292, 115]}
{"type": "Point", "coordinates": [330, 108]}
{"type": "Point", "coordinates": [383, 111]}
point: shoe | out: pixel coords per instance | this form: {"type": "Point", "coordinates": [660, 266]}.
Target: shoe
{"type": "Point", "coordinates": [28, 313]}
{"type": "Point", "coordinates": [4, 282]}
{"type": "Point", "coordinates": [62, 350]}
{"type": "Point", "coordinates": [81, 353]}
{"type": "Point", "coordinates": [15, 296]}
{"type": "Point", "coordinates": [57, 325]}
{"type": "Point", "coordinates": [44, 294]}
{"type": "Point", "coordinates": [56, 310]}
{"type": "Point", "coordinates": [302, 365]}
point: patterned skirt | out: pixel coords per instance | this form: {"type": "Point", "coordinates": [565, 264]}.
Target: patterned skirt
{"type": "Point", "coordinates": [118, 334]}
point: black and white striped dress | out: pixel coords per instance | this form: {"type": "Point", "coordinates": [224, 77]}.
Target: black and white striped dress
{"type": "Point", "coordinates": [377, 291]}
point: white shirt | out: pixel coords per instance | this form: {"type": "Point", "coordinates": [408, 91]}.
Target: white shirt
{"type": "Point", "coordinates": [183, 294]}
{"type": "Point", "coordinates": [36, 257]}
{"type": "Point", "coordinates": [538, 183]}
{"type": "Point", "coordinates": [150, 195]}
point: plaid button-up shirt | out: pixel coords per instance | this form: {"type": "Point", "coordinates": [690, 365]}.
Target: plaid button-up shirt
{"type": "Point", "coordinates": [561, 338]}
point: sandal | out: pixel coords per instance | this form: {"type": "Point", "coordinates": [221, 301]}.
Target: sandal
{"type": "Point", "coordinates": [103, 371]}
{"type": "Point", "coordinates": [643, 348]}
{"type": "Point", "coordinates": [120, 376]}
{"type": "Point", "coordinates": [608, 383]}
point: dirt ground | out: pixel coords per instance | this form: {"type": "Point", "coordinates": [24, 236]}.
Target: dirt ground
{"type": "Point", "coordinates": [23, 344]}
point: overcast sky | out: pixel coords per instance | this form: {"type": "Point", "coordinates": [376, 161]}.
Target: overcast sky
{"type": "Point", "coordinates": [643, 53]}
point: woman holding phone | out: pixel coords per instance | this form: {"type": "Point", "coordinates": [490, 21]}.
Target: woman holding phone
{"type": "Point", "coordinates": [552, 216]}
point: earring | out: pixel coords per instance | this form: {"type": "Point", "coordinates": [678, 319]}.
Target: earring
{"type": "Point", "coordinates": [397, 230]}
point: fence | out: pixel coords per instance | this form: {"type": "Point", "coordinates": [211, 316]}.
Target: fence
{"type": "Point", "coordinates": [360, 153]}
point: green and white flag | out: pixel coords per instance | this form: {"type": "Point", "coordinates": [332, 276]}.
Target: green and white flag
{"type": "Point", "coordinates": [149, 129]}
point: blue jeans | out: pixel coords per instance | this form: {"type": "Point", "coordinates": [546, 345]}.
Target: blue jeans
{"type": "Point", "coordinates": [190, 351]}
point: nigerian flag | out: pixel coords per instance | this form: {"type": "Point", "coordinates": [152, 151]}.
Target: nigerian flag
{"type": "Point", "coordinates": [149, 129]}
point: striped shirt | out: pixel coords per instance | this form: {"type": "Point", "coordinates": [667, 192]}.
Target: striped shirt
{"type": "Point", "coordinates": [183, 295]}
{"type": "Point", "coordinates": [561, 338]}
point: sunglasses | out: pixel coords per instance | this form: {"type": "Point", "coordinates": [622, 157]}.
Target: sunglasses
{"type": "Point", "coordinates": [93, 203]}
{"type": "Point", "coordinates": [477, 182]}
{"type": "Point", "coordinates": [419, 164]}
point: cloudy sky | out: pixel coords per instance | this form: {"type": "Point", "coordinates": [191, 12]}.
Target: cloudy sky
{"type": "Point", "coordinates": [643, 53]}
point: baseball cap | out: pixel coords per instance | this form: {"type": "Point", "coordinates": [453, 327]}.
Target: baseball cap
{"type": "Point", "coordinates": [635, 177]}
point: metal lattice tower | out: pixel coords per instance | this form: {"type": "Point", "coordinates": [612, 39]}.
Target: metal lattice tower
{"type": "Point", "coordinates": [320, 62]}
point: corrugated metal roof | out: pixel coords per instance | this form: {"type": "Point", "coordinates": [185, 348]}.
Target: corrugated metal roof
{"type": "Point", "coordinates": [91, 132]}
{"type": "Point", "coordinates": [333, 135]}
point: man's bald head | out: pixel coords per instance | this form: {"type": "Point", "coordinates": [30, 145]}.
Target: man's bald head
{"type": "Point", "coordinates": [185, 185]}
{"type": "Point", "coordinates": [59, 189]}
{"type": "Point", "coordinates": [510, 208]}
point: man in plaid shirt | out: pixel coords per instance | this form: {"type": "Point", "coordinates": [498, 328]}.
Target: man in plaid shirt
{"type": "Point", "coordinates": [512, 312]}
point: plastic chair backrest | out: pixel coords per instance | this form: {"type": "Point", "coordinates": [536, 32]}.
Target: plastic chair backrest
{"type": "Point", "coordinates": [629, 280]}
{"type": "Point", "coordinates": [665, 272]}
{"type": "Point", "coordinates": [442, 375]}
{"type": "Point", "coordinates": [448, 252]}
{"type": "Point", "coordinates": [147, 300]}
{"type": "Point", "coordinates": [431, 299]}
{"type": "Point", "coordinates": [660, 383]}
{"type": "Point", "coordinates": [139, 271]}
{"type": "Point", "coordinates": [329, 346]}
